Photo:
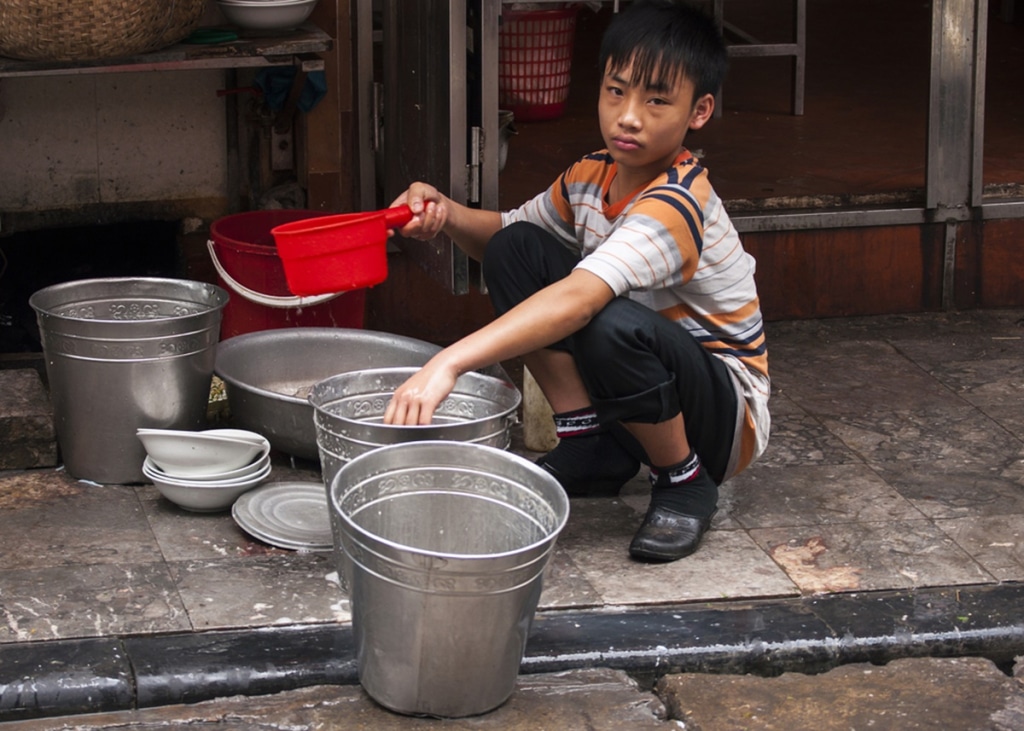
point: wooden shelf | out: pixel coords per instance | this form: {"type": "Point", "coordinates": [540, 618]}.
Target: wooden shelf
{"type": "Point", "coordinates": [253, 48]}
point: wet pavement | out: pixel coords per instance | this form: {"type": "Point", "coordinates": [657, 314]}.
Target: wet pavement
{"type": "Point", "coordinates": [884, 522]}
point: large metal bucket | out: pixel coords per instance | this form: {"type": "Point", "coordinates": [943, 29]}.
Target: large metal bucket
{"type": "Point", "coordinates": [124, 353]}
{"type": "Point", "coordinates": [443, 547]}
{"type": "Point", "coordinates": [348, 411]}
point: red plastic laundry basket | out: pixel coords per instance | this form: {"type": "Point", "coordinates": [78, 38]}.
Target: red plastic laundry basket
{"type": "Point", "coordinates": [534, 61]}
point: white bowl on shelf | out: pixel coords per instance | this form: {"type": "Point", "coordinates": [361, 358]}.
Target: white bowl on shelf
{"type": "Point", "coordinates": [266, 14]}
{"type": "Point", "coordinates": [184, 453]}
{"type": "Point", "coordinates": [262, 3]}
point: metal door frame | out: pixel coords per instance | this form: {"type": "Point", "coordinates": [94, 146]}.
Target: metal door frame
{"type": "Point", "coordinates": [954, 155]}
{"type": "Point", "coordinates": [433, 116]}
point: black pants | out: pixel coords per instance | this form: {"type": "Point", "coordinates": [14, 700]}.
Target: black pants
{"type": "Point", "coordinates": [637, 365]}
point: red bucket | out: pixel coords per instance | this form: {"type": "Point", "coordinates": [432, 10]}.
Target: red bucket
{"type": "Point", "coordinates": [337, 253]}
{"type": "Point", "coordinates": [249, 267]}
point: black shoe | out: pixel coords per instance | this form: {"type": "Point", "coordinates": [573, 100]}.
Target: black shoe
{"type": "Point", "coordinates": [666, 535]}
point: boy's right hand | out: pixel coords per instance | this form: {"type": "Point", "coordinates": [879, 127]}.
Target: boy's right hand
{"type": "Point", "coordinates": [414, 402]}
{"type": "Point", "coordinates": [429, 211]}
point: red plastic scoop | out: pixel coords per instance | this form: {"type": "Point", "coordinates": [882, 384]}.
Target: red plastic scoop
{"type": "Point", "coordinates": [337, 253]}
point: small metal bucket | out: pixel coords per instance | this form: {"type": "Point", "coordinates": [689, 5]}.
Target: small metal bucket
{"type": "Point", "coordinates": [443, 546]}
{"type": "Point", "coordinates": [124, 353]}
{"type": "Point", "coordinates": [348, 412]}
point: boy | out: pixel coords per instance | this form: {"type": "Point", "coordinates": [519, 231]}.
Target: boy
{"type": "Point", "coordinates": [626, 291]}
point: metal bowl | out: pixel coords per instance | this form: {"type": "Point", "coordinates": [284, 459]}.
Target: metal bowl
{"type": "Point", "coordinates": [269, 375]}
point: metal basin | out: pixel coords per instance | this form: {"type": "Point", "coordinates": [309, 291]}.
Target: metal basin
{"type": "Point", "coordinates": [349, 414]}
{"type": "Point", "coordinates": [269, 375]}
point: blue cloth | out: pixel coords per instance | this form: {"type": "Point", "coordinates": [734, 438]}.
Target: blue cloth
{"type": "Point", "coordinates": [276, 82]}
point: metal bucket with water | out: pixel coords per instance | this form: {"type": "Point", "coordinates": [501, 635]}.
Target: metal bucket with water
{"type": "Point", "coordinates": [348, 413]}
{"type": "Point", "coordinates": [443, 546]}
{"type": "Point", "coordinates": [123, 353]}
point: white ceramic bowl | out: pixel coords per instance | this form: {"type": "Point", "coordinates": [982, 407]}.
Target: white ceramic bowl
{"type": "Point", "coordinates": [254, 467]}
{"type": "Point", "coordinates": [205, 497]}
{"type": "Point", "coordinates": [262, 3]}
{"type": "Point", "coordinates": [183, 453]}
{"type": "Point", "coordinates": [249, 436]}
{"type": "Point", "coordinates": [150, 471]}
{"type": "Point", "coordinates": [245, 434]}
{"type": "Point", "coordinates": [266, 14]}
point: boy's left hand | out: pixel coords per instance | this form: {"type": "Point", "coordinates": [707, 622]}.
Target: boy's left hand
{"type": "Point", "coordinates": [415, 401]}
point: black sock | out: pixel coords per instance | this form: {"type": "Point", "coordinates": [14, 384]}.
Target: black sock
{"type": "Point", "coordinates": [591, 454]}
{"type": "Point", "coordinates": [577, 423]}
{"type": "Point", "coordinates": [587, 449]}
{"type": "Point", "coordinates": [685, 487]}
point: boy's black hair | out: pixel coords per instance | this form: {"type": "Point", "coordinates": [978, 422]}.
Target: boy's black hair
{"type": "Point", "coordinates": [663, 40]}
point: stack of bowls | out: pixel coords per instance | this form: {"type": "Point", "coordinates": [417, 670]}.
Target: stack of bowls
{"type": "Point", "coordinates": [266, 14]}
{"type": "Point", "coordinates": [204, 471]}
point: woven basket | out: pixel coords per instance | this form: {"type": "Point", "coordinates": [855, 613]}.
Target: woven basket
{"type": "Point", "coordinates": [90, 30]}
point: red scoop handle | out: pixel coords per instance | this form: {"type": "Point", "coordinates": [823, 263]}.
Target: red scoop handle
{"type": "Point", "coordinates": [397, 217]}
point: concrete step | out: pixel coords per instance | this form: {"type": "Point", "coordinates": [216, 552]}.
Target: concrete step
{"type": "Point", "coordinates": [27, 435]}
{"type": "Point", "coordinates": [905, 695]}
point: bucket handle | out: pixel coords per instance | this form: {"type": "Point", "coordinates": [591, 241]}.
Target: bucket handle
{"type": "Point", "coordinates": [267, 300]}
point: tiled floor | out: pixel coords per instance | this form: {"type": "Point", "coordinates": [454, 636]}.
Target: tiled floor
{"type": "Point", "coordinates": [896, 461]}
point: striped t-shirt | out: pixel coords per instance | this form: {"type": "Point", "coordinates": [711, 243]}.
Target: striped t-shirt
{"type": "Point", "coordinates": [672, 247]}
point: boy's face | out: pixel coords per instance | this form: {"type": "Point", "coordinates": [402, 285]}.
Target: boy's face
{"type": "Point", "coordinates": [644, 126]}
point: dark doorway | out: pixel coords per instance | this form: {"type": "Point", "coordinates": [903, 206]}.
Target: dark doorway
{"type": "Point", "coordinates": [32, 260]}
